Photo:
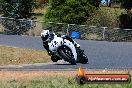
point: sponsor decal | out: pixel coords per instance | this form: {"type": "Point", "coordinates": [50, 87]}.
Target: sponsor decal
{"type": "Point", "coordinates": [83, 77]}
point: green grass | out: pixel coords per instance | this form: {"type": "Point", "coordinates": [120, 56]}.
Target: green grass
{"type": "Point", "coordinates": [58, 82]}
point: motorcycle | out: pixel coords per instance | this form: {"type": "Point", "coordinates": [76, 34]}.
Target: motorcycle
{"type": "Point", "coordinates": [63, 47]}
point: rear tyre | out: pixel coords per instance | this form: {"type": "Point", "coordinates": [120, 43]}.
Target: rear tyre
{"type": "Point", "coordinates": [66, 53]}
{"type": "Point", "coordinates": [82, 58]}
{"type": "Point", "coordinates": [85, 59]}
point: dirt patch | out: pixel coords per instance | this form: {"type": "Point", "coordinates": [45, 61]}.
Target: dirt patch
{"type": "Point", "coordinates": [13, 55]}
{"type": "Point", "coordinates": [43, 75]}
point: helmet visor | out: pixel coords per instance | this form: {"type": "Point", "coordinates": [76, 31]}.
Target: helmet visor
{"type": "Point", "coordinates": [44, 38]}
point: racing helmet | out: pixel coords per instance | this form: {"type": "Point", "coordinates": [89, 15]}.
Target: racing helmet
{"type": "Point", "coordinates": [45, 35]}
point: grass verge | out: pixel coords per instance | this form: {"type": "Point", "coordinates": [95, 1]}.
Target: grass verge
{"type": "Point", "coordinates": [11, 55]}
{"type": "Point", "coordinates": [48, 79]}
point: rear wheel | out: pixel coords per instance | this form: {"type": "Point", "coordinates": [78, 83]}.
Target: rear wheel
{"type": "Point", "coordinates": [84, 59]}
{"type": "Point", "coordinates": [67, 54]}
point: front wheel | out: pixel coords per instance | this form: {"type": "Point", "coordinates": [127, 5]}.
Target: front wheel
{"type": "Point", "coordinates": [67, 54]}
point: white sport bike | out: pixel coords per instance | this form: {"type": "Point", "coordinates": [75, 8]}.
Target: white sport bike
{"type": "Point", "coordinates": [63, 47]}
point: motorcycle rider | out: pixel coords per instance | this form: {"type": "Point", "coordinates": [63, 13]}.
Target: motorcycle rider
{"type": "Point", "coordinates": [47, 37]}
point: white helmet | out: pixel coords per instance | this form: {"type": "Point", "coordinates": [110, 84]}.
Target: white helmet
{"type": "Point", "coordinates": [45, 35]}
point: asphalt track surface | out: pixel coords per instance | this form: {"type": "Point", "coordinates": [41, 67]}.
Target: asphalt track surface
{"type": "Point", "coordinates": [101, 54]}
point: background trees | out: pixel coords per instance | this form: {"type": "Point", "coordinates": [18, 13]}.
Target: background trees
{"type": "Point", "coordinates": [126, 18]}
{"type": "Point", "coordinates": [17, 9]}
{"type": "Point", "coordinates": [127, 4]}
{"type": "Point", "coordinates": [1, 5]}
{"type": "Point", "coordinates": [71, 11]}
{"type": "Point", "coordinates": [68, 11]}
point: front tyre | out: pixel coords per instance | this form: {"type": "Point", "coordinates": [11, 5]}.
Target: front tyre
{"type": "Point", "coordinates": [67, 54]}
